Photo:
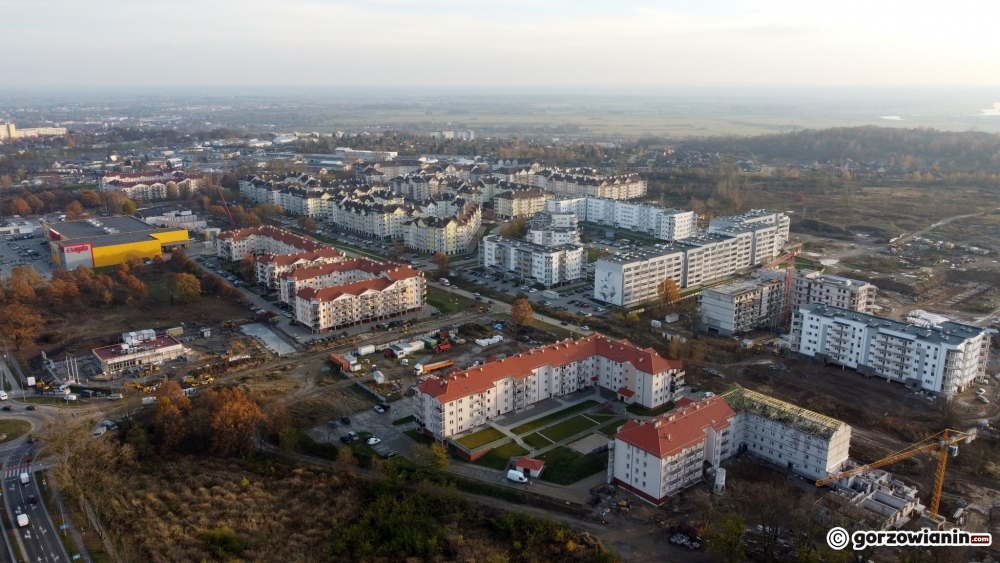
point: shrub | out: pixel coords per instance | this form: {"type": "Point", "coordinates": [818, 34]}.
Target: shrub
{"type": "Point", "coordinates": [223, 541]}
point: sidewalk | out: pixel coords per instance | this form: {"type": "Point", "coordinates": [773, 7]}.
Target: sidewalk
{"type": "Point", "coordinates": [74, 534]}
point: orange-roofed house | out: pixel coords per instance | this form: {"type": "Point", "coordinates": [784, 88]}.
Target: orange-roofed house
{"type": "Point", "coordinates": [458, 402]}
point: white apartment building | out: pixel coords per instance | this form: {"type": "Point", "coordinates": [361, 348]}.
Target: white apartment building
{"type": "Point", "coordinates": [657, 458]}
{"type": "Point", "coordinates": [451, 235]}
{"type": "Point", "coordinates": [553, 229]}
{"type": "Point", "coordinates": [547, 265]}
{"type": "Point", "coordinates": [742, 307]}
{"type": "Point", "coordinates": [633, 277]}
{"type": "Point", "coordinates": [817, 287]}
{"type": "Point", "coordinates": [769, 230]}
{"type": "Point", "coordinates": [520, 202]}
{"type": "Point", "coordinates": [270, 266]}
{"type": "Point", "coordinates": [451, 404]}
{"type": "Point", "coordinates": [663, 223]}
{"type": "Point", "coordinates": [392, 292]}
{"type": "Point", "coordinates": [710, 257]}
{"type": "Point", "coordinates": [146, 185]}
{"type": "Point", "coordinates": [333, 274]}
{"type": "Point", "coordinates": [587, 182]}
{"type": "Point", "coordinates": [944, 359]}
{"type": "Point", "coordinates": [234, 246]}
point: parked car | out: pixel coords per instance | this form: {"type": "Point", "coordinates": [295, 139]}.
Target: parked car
{"type": "Point", "coordinates": [346, 420]}
{"type": "Point", "coordinates": [372, 441]}
{"type": "Point", "coordinates": [379, 409]}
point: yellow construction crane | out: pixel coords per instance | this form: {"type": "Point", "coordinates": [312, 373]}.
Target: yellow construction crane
{"type": "Point", "coordinates": [941, 445]}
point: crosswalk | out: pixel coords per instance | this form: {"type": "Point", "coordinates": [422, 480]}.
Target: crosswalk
{"type": "Point", "coordinates": [16, 470]}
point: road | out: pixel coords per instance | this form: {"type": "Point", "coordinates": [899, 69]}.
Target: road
{"type": "Point", "coordinates": [38, 541]}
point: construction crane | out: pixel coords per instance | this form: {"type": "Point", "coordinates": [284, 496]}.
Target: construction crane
{"type": "Point", "coordinates": [226, 205]}
{"type": "Point", "coordinates": [788, 259]}
{"type": "Point", "coordinates": [941, 445]}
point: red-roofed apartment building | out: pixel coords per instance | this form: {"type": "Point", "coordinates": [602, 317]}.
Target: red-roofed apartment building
{"type": "Point", "coordinates": [352, 292]}
{"type": "Point", "coordinates": [452, 404]}
{"type": "Point", "coordinates": [270, 266]}
{"type": "Point", "coordinates": [234, 246]}
{"type": "Point", "coordinates": [657, 458]}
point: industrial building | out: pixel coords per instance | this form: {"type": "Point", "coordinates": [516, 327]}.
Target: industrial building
{"type": "Point", "coordinates": [172, 216]}
{"type": "Point", "coordinates": [458, 402]}
{"type": "Point", "coordinates": [657, 458]}
{"type": "Point", "coordinates": [944, 359]}
{"type": "Point", "coordinates": [18, 228]}
{"type": "Point", "coordinates": [106, 241]}
{"type": "Point", "coordinates": [547, 265]}
{"type": "Point", "coordinates": [139, 348]}
{"type": "Point", "coordinates": [742, 307]}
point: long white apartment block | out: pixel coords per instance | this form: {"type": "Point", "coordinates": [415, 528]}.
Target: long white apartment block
{"type": "Point", "coordinates": [742, 307]}
{"type": "Point", "coordinates": [657, 458]}
{"type": "Point", "coordinates": [661, 222]}
{"type": "Point", "coordinates": [944, 359]}
{"type": "Point", "coordinates": [769, 230]}
{"type": "Point", "coordinates": [553, 229]}
{"type": "Point", "coordinates": [547, 265]}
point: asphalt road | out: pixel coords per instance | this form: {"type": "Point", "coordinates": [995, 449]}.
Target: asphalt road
{"type": "Point", "coordinates": [39, 541]}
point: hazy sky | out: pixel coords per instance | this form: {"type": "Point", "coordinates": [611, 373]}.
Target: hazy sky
{"type": "Point", "coordinates": [696, 43]}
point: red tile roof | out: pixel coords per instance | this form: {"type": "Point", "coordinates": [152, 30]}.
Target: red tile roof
{"type": "Point", "coordinates": [625, 392]}
{"type": "Point", "coordinates": [308, 256]}
{"type": "Point", "coordinates": [282, 235]}
{"type": "Point", "coordinates": [356, 288]}
{"type": "Point", "coordinates": [481, 378]}
{"type": "Point", "coordinates": [682, 427]}
{"type": "Point", "coordinates": [529, 463]}
{"type": "Point", "coordinates": [390, 271]}
{"type": "Point", "coordinates": [109, 352]}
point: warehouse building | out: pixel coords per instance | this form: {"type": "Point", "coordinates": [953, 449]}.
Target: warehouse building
{"type": "Point", "coordinates": [139, 348]}
{"type": "Point", "coordinates": [106, 241]}
{"type": "Point", "coordinates": [945, 359]}
{"type": "Point", "coordinates": [657, 458]}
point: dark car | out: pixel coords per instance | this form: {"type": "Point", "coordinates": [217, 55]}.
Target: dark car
{"type": "Point", "coordinates": [390, 454]}
{"type": "Point", "coordinates": [332, 424]}
{"type": "Point", "coordinates": [345, 419]}
{"type": "Point", "coordinates": [385, 406]}
{"type": "Point", "coordinates": [8, 408]}
{"type": "Point", "coordinates": [31, 408]}
{"type": "Point", "coordinates": [695, 389]}
{"type": "Point", "coordinates": [32, 500]}
{"type": "Point", "coordinates": [345, 439]}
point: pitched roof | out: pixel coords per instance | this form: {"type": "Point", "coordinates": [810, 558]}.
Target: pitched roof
{"type": "Point", "coordinates": [356, 288]}
{"type": "Point", "coordinates": [682, 427]}
{"type": "Point", "coordinates": [529, 463]}
{"type": "Point", "coordinates": [481, 378]}
{"type": "Point", "coordinates": [307, 256]}
{"type": "Point", "coordinates": [376, 269]}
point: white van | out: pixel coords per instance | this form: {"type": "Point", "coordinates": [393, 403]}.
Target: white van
{"type": "Point", "coordinates": [516, 476]}
{"type": "Point", "coordinates": [3, 396]}
{"type": "Point", "coordinates": [22, 520]}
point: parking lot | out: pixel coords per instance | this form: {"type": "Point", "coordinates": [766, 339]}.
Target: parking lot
{"type": "Point", "coordinates": [32, 252]}
{"type": "Point", "coordinates": [576, 299]}
{"type": "Point", "coordinates": [369, 422]}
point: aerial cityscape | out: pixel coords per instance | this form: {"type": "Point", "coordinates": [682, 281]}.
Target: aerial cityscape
{"type": "Point", "coordinates": [635, 284]}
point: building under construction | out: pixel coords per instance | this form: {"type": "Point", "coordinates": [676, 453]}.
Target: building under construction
{"type": "Point", "coordinates": [869, 501]}
{"type": "Point", "coordinates": [140, 348]}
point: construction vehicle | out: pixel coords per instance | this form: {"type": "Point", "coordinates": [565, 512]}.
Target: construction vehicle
{"type": "Point", "coordinates": [229, 325]}
{"type": "Point", "coordinates": [42, 387]}
{"type": "Point", "coordinates": [406, 328]}
{"type": "Point", "coordinates": [421, 369]}
{"type": "Point", "coordinates": [941, 445]}
{"type": "Point", "coordinates": [442, 347]}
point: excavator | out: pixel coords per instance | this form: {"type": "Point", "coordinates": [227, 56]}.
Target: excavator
{"type": "Point", "coordinates": [940, 445]}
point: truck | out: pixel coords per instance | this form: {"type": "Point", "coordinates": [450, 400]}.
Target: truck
{"type": "Point", "coordinates": [444, 281]}
{"type": "Point", "coordinates": [365, 350]}
{"type": "Point", "coordinates": [442, 347]}
{"type": "Point", "coordinates": [25, 478]}
{"type": "Point", "coordinates": [22, 520]}
{"type": "Point", "coordinates": [549, 294]}
{"type": "Point", "coordinates": [421, 369]}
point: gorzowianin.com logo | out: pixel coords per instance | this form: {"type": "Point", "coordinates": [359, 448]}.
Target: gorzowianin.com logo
{"type": "Point", "coordinates": [839, 538]}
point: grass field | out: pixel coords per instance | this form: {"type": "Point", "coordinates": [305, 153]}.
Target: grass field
{"type": "Point", "coordinates": [563, 466]}
{"type": "Point", "coordinates": [538, 422]}
{"type": "Point", "coordinates": [57, 401]}
{"type": "Point", "coordinates": [611, 428]}
{"type": "Point", "coordinates": [568, 428]}
{"type": "Point", "coordinates": [498, 458]}
{"type": "Point", "coordinates": [419, 437]}
{"type": "Point", "coordinates": [640, 410]}
{"type": "Point", "coordinates": [481, 438]}
{"type": "Point", "coordinates": [12, 429]}
{"type": "Point", "coordinates": [404, 420]}
{"type": "Point", "coordinates": [537, 441]}
{"type": "Point", "coordinates": [448, 302]}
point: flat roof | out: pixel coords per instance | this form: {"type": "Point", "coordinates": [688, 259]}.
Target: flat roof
{"type": "Point", "coordinates": [113, 351]}
{"type": "Point", "coordinates": [519, 243]}
{"type": "Point", "coordinates": [940, 334]}
{"type": "Point", "coordinates": [107, 231]}
{"type": "Point", "coordinates": [741, 286]}
{"type": "Point", "coordinates": [642, 255]}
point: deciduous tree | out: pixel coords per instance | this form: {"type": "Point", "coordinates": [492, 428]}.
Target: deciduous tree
{"type": "Point", "coordinates": [521, 313]}
{"type": "Point", "coordinates": [20, 207]}
{"type": "Point", "coordinates": [234, 422]}
{"type": "Point", "coordinates": [306, 224]}
{"type": "Point", "coordinates": [184, 288]}
{"type": "Point", "coordinates": [438, 457]}
{"type": "Point", "coordinates": [725, 537]}
{"type": "Point", "coordinates": [248, 268]}
{"type": "Point", "coordinates": [89, 198]}
{"type": "Point", "coordinates": [19, 323]}
{"type": "Point", "coordinates": [172, 192]}
{"type": "Point", "coordinates": [440, 259]}
{"type": "Point", "coordinates": [668, 293]}
{"type": "Point", "coordinates": [128, 207]}
{"type": "Point", "coordinates": [73, 211]}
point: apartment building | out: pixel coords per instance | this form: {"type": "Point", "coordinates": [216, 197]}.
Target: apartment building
{"type": "Point", "coordinates": [368, 217]}
{"type": "Point", "coordinates": [587, 182]}
{"type": "Point", "coordinates": [520, 202]}
{"type": "Point", "coordinates": [553, 229]}
{"type": "Point", "coordinates": [661, 222]}
{"type": "Point", "coordinates": [333, 274]}
{"type": "Point", "coordinates": [383, 294]}
{"type": "Point", "coordinates": [742, 307]}
{"type": "Point", "coordinates": [146, 185]}
{"type": "Point", "coordinates": [234, 246]}
{"type": "Point", "coordinates": [769, 231]}
{"type": "Point", "coordinates": [657, 458]}
{"type": "Point", "coordinates": [547, 265]}
{"type": "Point", "coordinates": [632, 278]}
{"type": "Point", "coordinates": [817, 287]}
{"type": "Point", "coordinates": [270, 266]}
{"type": "Point", "coordinates": [451, 235]}
{"type": "Point", "coordinates": [451, 404]}
{"type": "Point", "coordinates": [944, 359]}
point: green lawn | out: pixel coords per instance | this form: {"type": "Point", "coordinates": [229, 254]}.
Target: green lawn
{"type": "Point", "coordinates": [56, 400]}
{"type": "Point", "coordinates": [538, 422]}
{"type": "Point", "coordinates": [601, 416]}
{"type": "Point", "coordinates": [485, 436]}
{"type": "Point", "coordinates": [12, 429]}
{"type": "Point", "coordinates": [568, 428]}
{"type": "Point", "coordinates": [563, 466]}
{"type": "Point", "coordinates": [640, 410]}
{"type": "Point", "coordinates": [611, 428]}
{"type": "Point", "coordinates": [404, 420]}
{"type": "Point", "coordinates": [537, 441]}
{"type": "Point", "coordinates": [498, 458]}
{"type": "Point", "coordinates": [448, 302]}
{"type": "Point", "coordinates": [419, 437]}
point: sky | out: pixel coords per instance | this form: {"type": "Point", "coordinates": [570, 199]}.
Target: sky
{"type": "Point", "coordinates": [617, 44]}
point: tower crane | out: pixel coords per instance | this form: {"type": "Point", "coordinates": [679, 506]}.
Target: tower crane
{"type": "Point", "coordinates": [941, 445]}
{"type": "Point", "coordinates": [788, 259]}
{"type": "Point", "coordinates": [226, 206]}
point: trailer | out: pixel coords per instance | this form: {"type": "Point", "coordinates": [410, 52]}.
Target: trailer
{"type": "Point", "coordinates": [442, 347]}
{"type": "Point", "coordinates": [420, 369]}
{"type": "Point", "coordinates": [365, 350]}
